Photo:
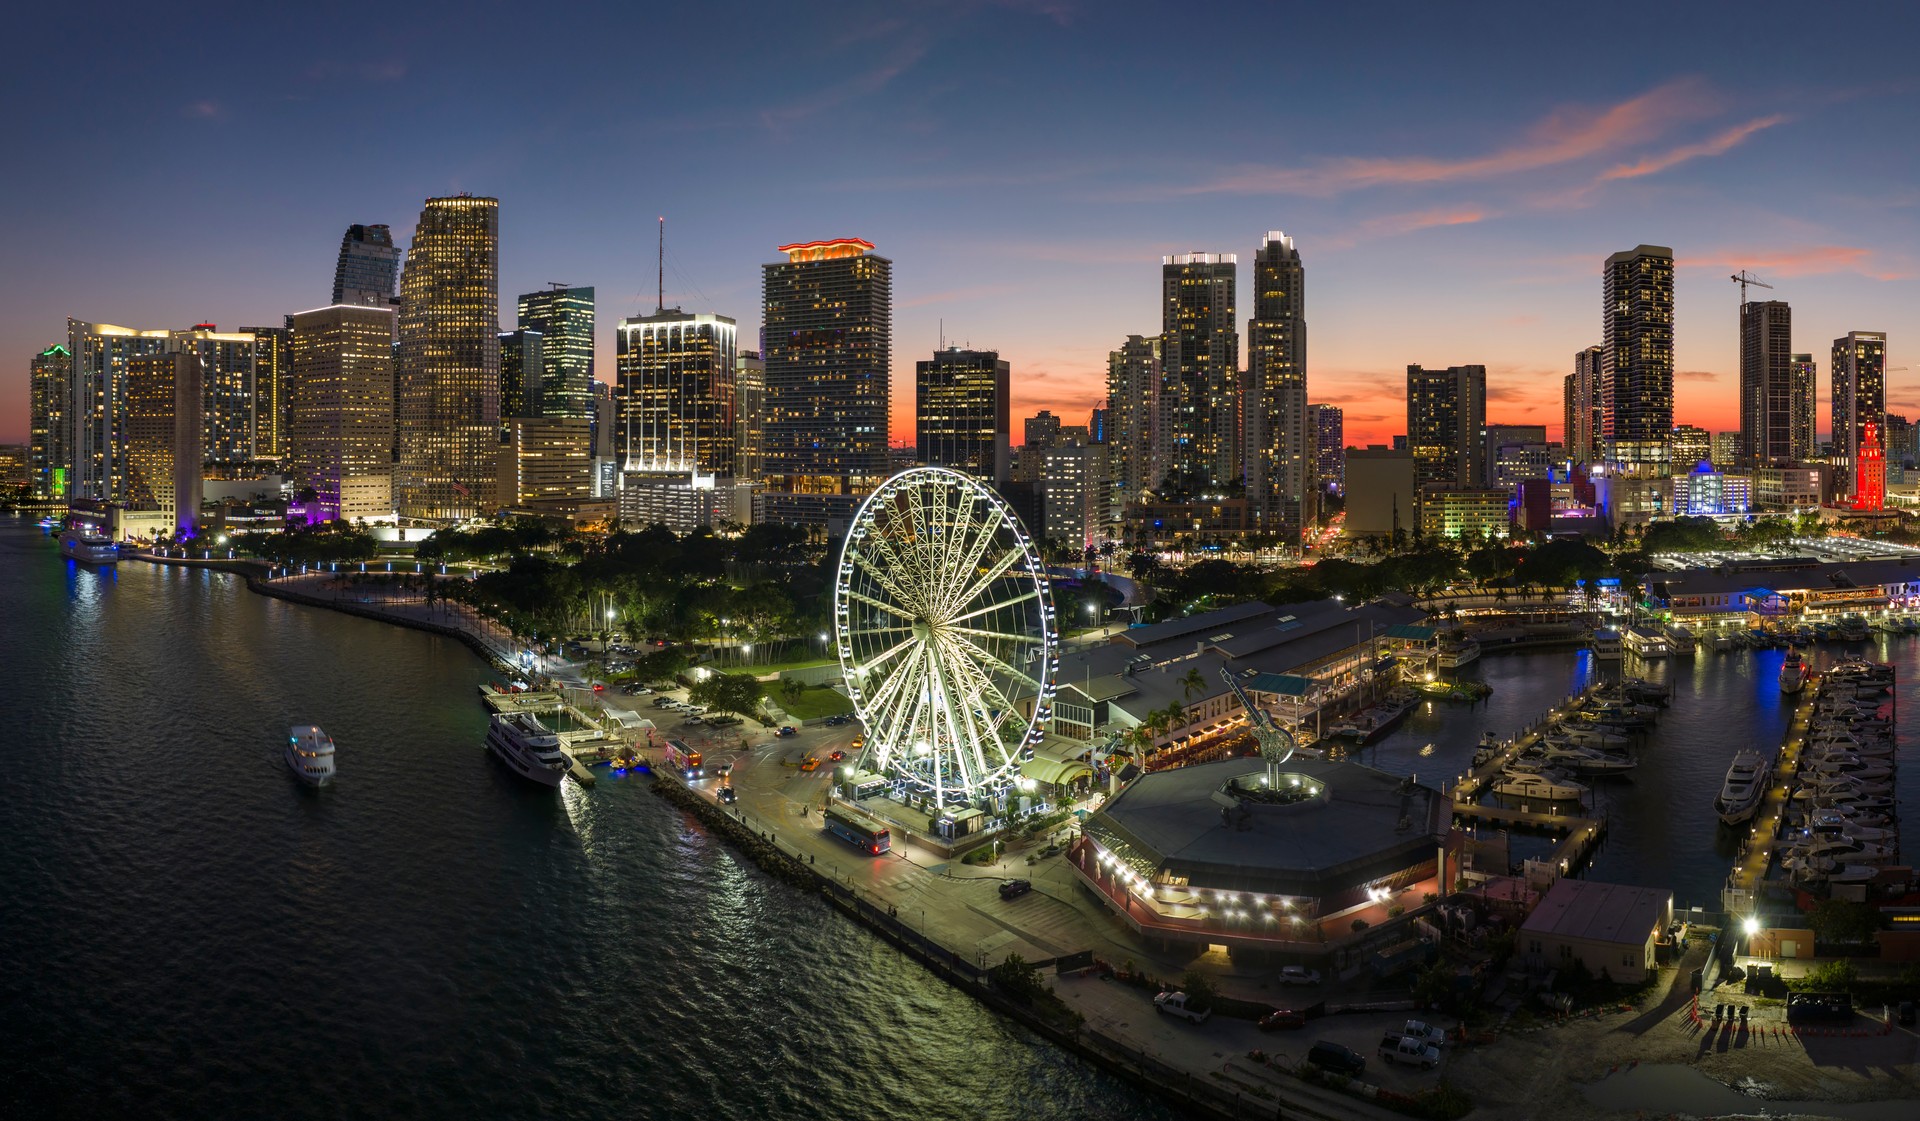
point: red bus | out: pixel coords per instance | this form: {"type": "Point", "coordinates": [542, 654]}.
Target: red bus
{"type": "Point", "coordinates": [684, 757]}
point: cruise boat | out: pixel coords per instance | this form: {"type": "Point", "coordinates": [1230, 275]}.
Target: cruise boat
{"type": "Point", "coordinates": [1681, 640]}
{"type": "Point", "coordinates": [527, 746]}
{"type": "Point", "coordinates": [309, 755]}
{"type": "Point", "coordinates": [1648, 642]}
{"type": "Point", "coordinates": [1457, 652]}
{"type": "Point", "coordinates": [1745, 785]}
{"type": "Point", "coordinates": [1548, 786]}
{"type": "Point", "coordinates": [1793, 674]}
{"type": "Point", "coordinates": [1606, 644]}
{"type": "Point", "coordinates": [88, 546]}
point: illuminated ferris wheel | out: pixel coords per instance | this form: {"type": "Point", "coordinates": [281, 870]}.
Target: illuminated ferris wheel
{"type": "Point", "coordinates": [946, 634]}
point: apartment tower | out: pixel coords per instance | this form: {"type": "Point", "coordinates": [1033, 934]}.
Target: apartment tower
{"type": "Point", "coordinates": [1636, 360]}
{"type": "Point", "coordinates": [962, 416]}
{"type": "Point", "coordinates": [1280, 446]}
{"type": "Point", "coordinates": [1859, 398]}
{"type": "Point", "coordinates": [340, 413]}
{"type": "Point", "coordinates": [1199, 374]}
{"type": "Point", "coordinates": [1769, 405]}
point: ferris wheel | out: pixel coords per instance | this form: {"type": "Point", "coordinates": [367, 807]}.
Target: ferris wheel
{"type": "Point", "coordinates": [946, 634]}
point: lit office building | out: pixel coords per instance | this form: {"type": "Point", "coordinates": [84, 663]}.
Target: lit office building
{"type": "Point", "coordinates": [545, 460]}
{"type": "Point", "coordinates": [961, 412]}
{"type": "Point", "coordinates": [1769, 403]}
{"type": "Point", "coordinates": [1859, 399]}
{"type": "Point", "coordinates": [1706, 491]}
{"type": "Point", "coordinates": [1470, 512]}
{"type": "Point", "coordinates": [828, 331]}
{"type": "Point", "coordinates": [1496, 437]}
{"type": "Point", "coordinates": [678, 409]}
{"type": "Point", "coordinates": [272, 369]}
{"type": "Point", "coordinates": [368, 267]}
{"type": "Point", "coordinates": [1580, 406]}
{"type": "Point", "coordinates": [1328, 425]}
{"type": "Point", "coordinates": [750, 407]}
{"type": "Point", "coordinates": [564, 318]}
{"type": "Point", "coordinates": [100, 352]}
{"type": "Point", "coordinates": [1071, 481]}
{"type": "Point", "coordinates": [448, 381]}
{"type": "Point", "coordinates": [49, 420]}
{"type": "Point", "coordinates": [1636, 372]}
{"type": "Point", "coordinates": [1446, 412]}
{"type": "Point", "coordinates": [1692, 444]}
{"type": "Point", "coordinates": [521, 371]}
{"type": "Point", "coordinates": [340, 414]}
{"type": "Point", "coordinates": [1280, 445]}
{"type": "Point", "coordinates": [164, 432]}
{"type": "Point", "coordinates": [1726, 449]}
{"type": "Point", "coordinates": [1133, 401]}
{"type": "Point", "coordinates": [1199, 374]}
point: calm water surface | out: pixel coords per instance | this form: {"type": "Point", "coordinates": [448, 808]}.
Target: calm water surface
{"type": "Point", "coordinates": [184, 932]}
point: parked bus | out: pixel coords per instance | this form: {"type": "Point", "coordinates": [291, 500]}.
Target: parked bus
{"type": "Point", "coordinates": [684, 757]}
{"type": "Point", "coordinates": [858, 830]}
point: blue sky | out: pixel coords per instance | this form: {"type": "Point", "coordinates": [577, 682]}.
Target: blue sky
{"type": "Point", "coordinates": [1453, 180]}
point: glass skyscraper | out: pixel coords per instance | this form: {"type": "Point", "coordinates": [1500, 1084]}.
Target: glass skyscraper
{"type": "Point", "coordinates": [1199, 374]}
{"type": "Point", "coordinates": [675, 400]}
{"type": "Point", "coordinates": [1279, 448]}
{"type": "Point", "coordinates": [521, 369]}
{"type": "Point", "coordinates": [1636, 372]}
{"type": "Point", "coordinates": [50, 420]}
{"type": "Point", "coordinates": [1859, 399]}
{"type": "Point", "coordinates": [369, 266]}
{"type": "Point", "coordinates": [961, 412]}
{"type": "Point", "coordinates": [448, 382]}
{"type": "Point", "coordinates": [564, 318]}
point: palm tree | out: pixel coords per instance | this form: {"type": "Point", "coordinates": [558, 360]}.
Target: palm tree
{"type": "Point", "coordinates": [1192, 683]}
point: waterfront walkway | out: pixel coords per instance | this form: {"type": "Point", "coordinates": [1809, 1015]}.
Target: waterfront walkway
{"type": "Point", "coordinates": [1583, 832]}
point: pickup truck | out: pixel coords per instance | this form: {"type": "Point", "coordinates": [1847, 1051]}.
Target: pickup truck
{"type": "Point", "coordinates": [1175, 1004]}
{"type": "Point", "coordinates": [1397, 1048]}
{"type": "Point", "coordinates": [1425, 1033]}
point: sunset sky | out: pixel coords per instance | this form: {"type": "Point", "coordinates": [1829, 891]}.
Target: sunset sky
{"type": "Point", "coordinates": [1453, 184]}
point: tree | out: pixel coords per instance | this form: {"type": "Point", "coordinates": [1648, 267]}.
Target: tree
{"type": "Point", "coordinates": [728, 692]}
{"type": "Point", "coordinates": [1842, 920]}
{"type": "Point", "coordinates": [1199, 989]}
{"type": "Point", "coordinates": [1018, 979]}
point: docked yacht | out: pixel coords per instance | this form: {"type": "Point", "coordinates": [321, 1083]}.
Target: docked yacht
{"type": "Point", "coordinates": [1547, 786]}
{"type": "Point", "coordinates": [309, 755]}
{"type": "Point", "coordinates": [88, 546]}
{"type": "Point", "coordinates": [1583, 761]}
{"type": "Point", "coordinates": [1606, 644]}
{"type": "Point", "coordinates": [1682, 641]}
{"type": "Point", "coordinates": [1647, 642]}
{"type": "Point", "coordinates": [527, 746]}
{"type": "Point", "coordinates": [1793, 674]}
{"type": "Point", "coordinates": [1745, 785]}
{"type": "Point", "coordinates": [1458, 651]}
{"type": "Point", "coordinates": [1590, 735]}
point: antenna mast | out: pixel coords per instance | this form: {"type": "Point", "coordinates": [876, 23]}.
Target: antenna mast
{"type": "Point", "coordinates": [660, 273]}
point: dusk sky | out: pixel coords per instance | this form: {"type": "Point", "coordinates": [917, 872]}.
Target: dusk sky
{"type": "Point", "coordinates": [1453, 183]}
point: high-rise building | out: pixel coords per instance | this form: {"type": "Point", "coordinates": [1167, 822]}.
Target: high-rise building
{"type": "Point", "coordinates": [1805, 381]}
{"type": "Point", "coordinates": [1581, 406]}
{"type": "Point", "coordinates": [1328, 424]}
{"type": "Point", "coordinates": [1280, 447]}
{"type": "Point", "coordinates": [678, 407]}
{"type": "Point", "coordinates": [602, 435]}
{"type": "Point", "coordinates": [1199, 373]}
{"type": "Point", "coordinates": [1133, 419]}
{"type": "Point", "coordinates": [750, 406]}
{"type": "Point", "coordinates": [49, 420]}
{"type": "Point", "coordinates": [272, 369]}
{"type": "Point", "coordinates": [521, 371]}
{"type": "Point", "coordinates": [1859, 398]}
{"type": "Point", "coordinates": [368, 268]}
{"type": "Point", "coordinates": [448, 381]}
{"type": "Point", "coordinates": [1769, 409]}
{"type": "Point", "coordinates": [1496, 437]}
{"type": "Point", "coordinates": [1725, 448]}
{"type": "Point", "coordinates": [164, 398]}
{"type": "Point", "coordinates": [828, 334]}
{"type": "Point", "coordinates": [340, 416]}
{"type": "Point", "coordinates": [1692, 445]}
{"type": "Point", "coordinates": [100, 352]}
{"type": "Point", "coordinates": [564, 318]}
{"type": "Point", "coordinates": [1870, 470]}
{"type": "Point", "coordinates": [1636, 361]}
{"type": "Point", "coordinates": [1097, 423]}
{"type": "Point", "coordinates": [545, 459]}
{"type": "Point", "coordinates": [1041, 430]}
{"type": "Point", "coordinates": [1899, 441]}
{"type": "Point", "coordinates": [1070, 485]}
{"type": "Point", "coordinates": [961, 412]}
{"type": "Point", "coordinates": [1446, 411]}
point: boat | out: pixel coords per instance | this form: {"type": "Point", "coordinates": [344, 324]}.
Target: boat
{"type": "Point", "coordinates": [309, 754]}
{"type": "Point", "coordinates": [1590, 735]}
{"type": "Point", "coordinates": [1852, 628]}
{"type": "Point", "coordinates": [1641, 690]}
{"type": "Point", "coordinates": [1606, 644]}
{"type": "Point", "coordinates": [1724, 641]}
{"type": "Point", "coordinates": [1681, 640]}
{"type": "Point", "coordinates": [1546, 787]}
{"type": "Point", "coordinates": [528, 747]}
{"type": "Point", "coordinates": [1458, 651]}
{"type": "Point", "coordinates": [1793, 674]}
{"type": "Point", "coordinates": [1744, 786]}
{"type": "Point", "coordinates": [1867, 770]}
{"type": "Point", "coordinates": [1844, 848]}
{"type": "Point", "coordinates": [88, 546]}
{"type": "Point", "coordinates": [1647, 642]}
{"type": "Point", "coordinates": [1582, 761]}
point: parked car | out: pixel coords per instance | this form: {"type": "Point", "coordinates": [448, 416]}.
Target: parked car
{"type": "Point", "coordinates": [1014, 889]}
{"type": "Point", "coordinates": [1299, 975]}
{"type": "Point", "coordinates": [694, 719]}
{"type": "Point", "coordinates": [836, 721]}
{"type": "Point", "coordinates": [663, 702]}
{"type": "Point", "coordinates": [1328, 1055]}
{"type": "Point", "coordinates": [1397, 1048]}
{"type": "Point", "coordinates": [1283, 1019]}
{"type": "Point", "coordinates": [1175, 1004]}
{"type": "Point", "coordinates": [787, 730]}
{"type": "Point", "coordinates": [723, 719]}
{"type": "Point", "coordinates": [1425, 1033]}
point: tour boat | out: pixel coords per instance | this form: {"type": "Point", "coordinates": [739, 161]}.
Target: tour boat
{"type": "Point", "coordinates": [88, 546]}
{"type": "Point", "coordinates": [309, 755]}
{"type": "Point", "coordinates": [1793, 674]}
{"type": "Point", "coordinates": [527, 746]}
{"type": "Point", "coordinates": [1743, 788]}
{"type": "Point", "coordinates": [1681, 640]}
{"type": "Point", "coordinates": [1646, 642]}
{"type": "Point", "coordinates": [1457, 652]}
{"type": "Point", "coordinates": [1545, 787]}
{"type": "Point", "coordinates": [1606, 644]}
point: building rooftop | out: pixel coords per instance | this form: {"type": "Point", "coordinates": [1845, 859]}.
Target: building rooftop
{"type": "Point", "coordinates": [1597, 912]}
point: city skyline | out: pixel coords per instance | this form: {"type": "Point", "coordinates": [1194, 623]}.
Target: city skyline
{"type": "Point", "coordinates": [1029, 235]}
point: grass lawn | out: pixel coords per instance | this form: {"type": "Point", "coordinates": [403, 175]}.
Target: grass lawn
{"type": "Point", "coordinates": [762, 669]}
{"type": "Point", "coordinates": [813, 703]}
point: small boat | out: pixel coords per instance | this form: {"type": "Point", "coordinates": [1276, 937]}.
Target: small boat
{"type": "Point", "coordinates": [1852, 628]}
{"type": "Point", "coordinates": [528, 747]}
{"type": "Point", "coordinates": [309, 754]}
{"type": "Point", "coordinates": [1845, 849]}
{"type": "Point", "coordinates": [1742, 789]}
{"type": "Point", "coordinates": [1546, 787]}
{"type": "Point", "coordinates": [88, 546]}
{"type": "Point", "coordinates": [1793, 674]}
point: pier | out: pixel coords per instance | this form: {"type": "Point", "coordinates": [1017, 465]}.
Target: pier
{"type": "Point", "coordinates": [1740, 896]}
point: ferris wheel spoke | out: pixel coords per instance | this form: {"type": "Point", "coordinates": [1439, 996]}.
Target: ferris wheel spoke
{"type": "Point", "coordinates": [998, 569]}
{"type": "Point", "coordinates": [975, 651]}
{"type": "Point", "coordinates": [888, 655]}
{"type": "Point", "coordinates": [1005, 603]}
{"type": "Point", "coordinates": [962, 654]}
{"type": "Point", "coordinates": [883, 605]}
{"type": "Point", "coordinates": [907, 606]}
{"type": "Point", "coordinates": [887, 691]}
{"type": "Point", "coordinates": [976, 536]}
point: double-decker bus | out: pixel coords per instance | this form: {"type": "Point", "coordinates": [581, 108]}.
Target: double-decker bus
{"type": "Point", "coordinates": [858, 830]}
{"type": "Point", "coordinates": [684, 757]}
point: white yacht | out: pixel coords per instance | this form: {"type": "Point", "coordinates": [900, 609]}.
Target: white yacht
{"type": "Point", "coordinates": [1590, 736]}
{"type": "Point", "coordinates": [1793, 674]}
{"type": "Point", "coordinates": [1584, 761]}
{"type": "Point", "coordinates": [1458, 651]}
{"type": "Point", "coordinates": [309, 755]}
{"type": "Point", "coordinates": [1745, 785]}
{"type": "Point", "coordinates": [88, 546]}
{"type": "Point", "coordinates": [1606, 644]}
{"type": "Point", "coordinates": [1646, 642]}
{"type": "Point", "coordinates": [1548, 786]}
{"type": "Point", "coordinates": [527, 746]}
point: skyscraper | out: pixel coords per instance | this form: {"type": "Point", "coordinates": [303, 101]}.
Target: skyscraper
{"type": "Point", "coordinates": [676, 394]}
{"type": "Point", "coordinates": [1769, 409]}
{"type": "Point", "coordinates": [1040, 431]}
{"type": "Point", "coordinates": [1279, 447]}
{"type": "Point", "coordinates": [1582, 406]}
{"type": "Point", "coordinates": [448, 382]}
{"type": "Point", "coordinates": [49, 419]}
{"type": "Point", "coordinates": [828, 331]}
{"type": "Point", "coordinates": [1446, 411]}
{"type": "Point", "coordinates": [521, 370]}
{"type": "Point", "coordinates": [340, 413]}
{"type": "Point", "coordinates": [564, 318]}
{"type": "Point", "coordinates": [165, 398]}
{"type": "Point", "coordinates": [1133, 419]}
{"type": "Point", "coordinates": [1636, 372]}
{"type": "Point", "coordinates": [961, 412]}
{"type": "Point", "coordinates": [1328, 424]}
{"type": "Point", "coordinates": [369, 265]}
{"type": "Point", "coordinates": [98, 387]}
{"type": "Point", "coordinates": [1806, 378]}
{"type": "Point", "coordinates": [750, 406]}
{"type": "Point", "coordinates": [1199, 373]}
{"type": "Point", "coordinates": [272, 367]}
{"type": "Point", "coordinates": [1691, 445]}
{"type": "Point", "coordinates": [1859, 398]}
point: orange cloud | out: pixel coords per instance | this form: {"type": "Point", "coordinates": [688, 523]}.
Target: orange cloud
{"type": "Point", "coordinates": [1713, 146]}
{"type": "Point", "coordinates": [1389, 225]}
{"type": "Point", "coordinates": [1564, 136]}
{"type": "Point", "coordinates": [1811, 260]}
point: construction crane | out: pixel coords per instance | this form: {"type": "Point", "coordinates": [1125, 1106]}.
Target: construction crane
{"type": "Point", "coordinates": [1276, 743]}
{"type": "Point", "coordinates": [1744, 278]}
